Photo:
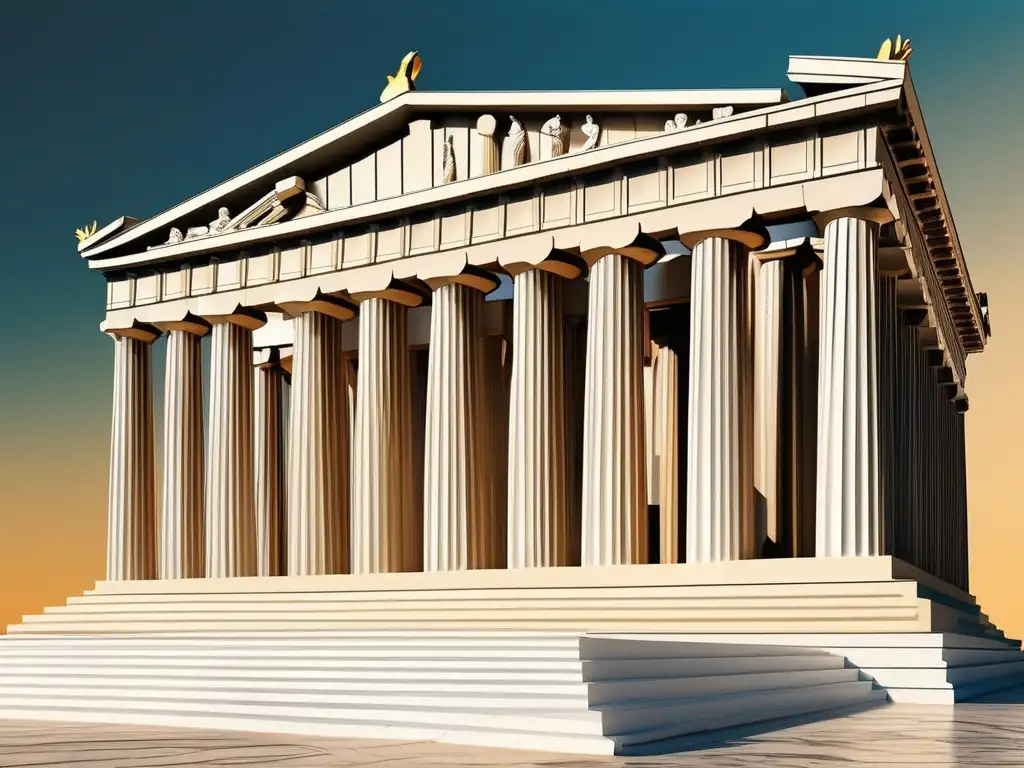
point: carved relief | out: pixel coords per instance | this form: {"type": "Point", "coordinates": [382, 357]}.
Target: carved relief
{"type": "Point", "coordinates": [214, 227]}
{"type": "Point", "coordinates": [288, 200]}
{"type": "Point", "coordinates": [719, 112]}
{"type": "Point", "coordinates": [448, 160]}
{"type": "Point", "coordinates": [519, 146]}
{"type": "Point", "coordinates": [676, 124]}
{"type": "Point", "coordinates": [592, 131]}
{"type": "Point", "coordinates": [559, 135]}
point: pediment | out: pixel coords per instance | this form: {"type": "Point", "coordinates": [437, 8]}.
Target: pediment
{"type": "Point", "coordinates": [422, 140]}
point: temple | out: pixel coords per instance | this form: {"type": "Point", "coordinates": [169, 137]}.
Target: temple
{"type": "Point", "coordinates": [570, 420]}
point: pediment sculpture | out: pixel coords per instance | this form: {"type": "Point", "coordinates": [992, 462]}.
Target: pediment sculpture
{"type": "Point", "coordinates": [559, 134]}
{"type": "Point", "coordinates": [719, 112]}
{"type": "Point", "coordinates": [517, 135]}
{"type": "Point", "coordinates": [288, 200]}
{"type": "Point", "coordinates": [448, 160]}
{"type": "Point", "coordinates": [677, 123]}
{"type": "Point", "coordinates": [592, 131]}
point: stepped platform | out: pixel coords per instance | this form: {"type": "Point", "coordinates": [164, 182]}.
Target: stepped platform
{"type": "Point", "coordinates": [581, 660]}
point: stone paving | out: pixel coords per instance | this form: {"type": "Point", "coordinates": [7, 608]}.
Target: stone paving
{"type": "Point", "coordinates": [986, 733]}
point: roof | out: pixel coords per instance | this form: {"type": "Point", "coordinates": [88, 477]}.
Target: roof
{"type": "Point", "coordinates": [345, 142]}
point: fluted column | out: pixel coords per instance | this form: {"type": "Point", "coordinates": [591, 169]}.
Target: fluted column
{"type": "Point", "coordinates": [767, 349]}
{"type": "Point", "coordinates": [131, 519]}
{"type": "Point", "coordinates": [614, 471]}
{"type": "Point", "coordinates": [575, 369]}
{"type": "Point", "coordinates": [848, 521]}
{"type": "Point", "coordinates": [538, 525]}
{"type": "Point", "coordinates": [230, 509]}
{"type": "Point", "coordinates": [268, 451]}
{"type": "Point", "coordinates": [182, 548]}
{"type": "Point", "coordinates": [719, 524]}
{"type": "Point", "coordinates": [458, 523]}
{"type": "Point", "coordinates": [666, 409]}
{"type": "Point", "coordinates": [317, 506]}
{"type": "Point", "coordinates": [387, 533]}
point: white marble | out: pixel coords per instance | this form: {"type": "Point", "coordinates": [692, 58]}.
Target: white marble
{"type": "Point", "coordinates": [268, 453]}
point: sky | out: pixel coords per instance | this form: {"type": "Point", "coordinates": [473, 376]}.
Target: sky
{"type": "Point", "coordinates": [119, 107]}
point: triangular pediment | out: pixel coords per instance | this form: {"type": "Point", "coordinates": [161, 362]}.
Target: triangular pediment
{"type": "Point", "coordinates": [421, 140]}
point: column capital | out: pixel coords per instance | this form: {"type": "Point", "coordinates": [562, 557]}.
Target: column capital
{"type": "Point", "coordinates": [325, 304]}
{"type": "Point", "coordinates": [244, 317]}
{"type": "Point", "coordinates": [188, 323]}
{"type": "Point", "coordinates": [466, 274]}
{"type": "Point", "coordinates": [395, 291]}
{"type": "Point", "coordinates": [876, 212]}
{"type": "Point", "coordinates": [136, 330]}
{"type": "Point", "coordinates": [636, 244]}
{"type": "Point", "coordinates": [752, 233]}
{"type": "Point", "coordinates": [556, 261]}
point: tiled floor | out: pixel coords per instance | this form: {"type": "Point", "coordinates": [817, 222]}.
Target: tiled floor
{"type": "Point", "coordinates": [988, 733]}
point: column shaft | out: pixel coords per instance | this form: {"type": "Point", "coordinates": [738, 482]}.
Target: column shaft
{"type": "Point", "coordinates": [230, 511]}
{"type": "Point", "coordinates": [269, 456]}
{"type": "Point", "coordinates": [458, 525]}
{"type": "Point", "coordinates": [318, 458]}
{"type": "Point", "coordinates": [387, 532]}
{"type": "Point", "coordinates": [848, 521]}
{"type": "Point", "coordinates": [719, 460]}
{"type": "Point", "coordinates": [497, 378]}
{"type": "Point", "coordinates": [182, 553]}
{"type": "Point", "coordinates": [575, 369]}
{"type": "Point", "coordinates": [131, 521]}
{"type": "Point", "coordinates": [614, 472]}
{"type": "Point", "coordinates": [767, 400]}
{"type": "Point", "coordinates": [538, 525]}
{"type": "Point", "coordinates": [667, 411]}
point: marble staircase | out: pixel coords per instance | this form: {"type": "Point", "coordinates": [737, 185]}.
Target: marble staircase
{"type": "Point", "coordinates": [587, 660]}
{"type": "Point", "coordinates": [494, 689]}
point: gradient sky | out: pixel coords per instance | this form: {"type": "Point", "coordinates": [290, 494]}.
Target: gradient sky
{"type": "Point", "coordinates": [119, 107]}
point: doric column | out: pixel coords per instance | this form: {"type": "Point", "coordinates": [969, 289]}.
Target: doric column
{"type": "Point", "coordinates": [767, 349]}
{"type": "Point", "coordinates": [575, 369]}
{"type": "Point", "coordinates": [458, 522]}
{"type": "Point", "coordinates": [719, 515]}
{"type": "Point", "coordinates": [182, 541]}
{"type": "Point", "coordinates": [538, 524]}
{"type": "Point", "coordinates": [387, 531]}
{"type": "Point", "coordinates": [848, 510]}
{"type": "Point", "coordinates": [131, 520]}
{"type": "Point", "coordinates": [614, 471]}
{"type": "Point", "coordinates": [268, 451]}
{"type": "Point", "coordinates": [496, 365]}
{"type": "Point", "coordinates": [230, 511]}
{"type": "Point", "coordinates": [317, 508]}
{"type": "Point", "coordinates": [666, 409]}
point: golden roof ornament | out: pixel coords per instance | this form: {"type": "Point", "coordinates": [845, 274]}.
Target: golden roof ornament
{"type": "Point", "coordinates": [404, 79]}
{"type": "Point", "coordinates": [86, 232]}
{"type": "Point", "coordinates": [899, 52]}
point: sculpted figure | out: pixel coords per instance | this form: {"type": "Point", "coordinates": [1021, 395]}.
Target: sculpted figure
{"type": "Point", "coordinates": [559, 135]}
{"type": "Point", "coordinates": [670, 125]}
{"type": "Point", "coordinates": [681, 120]}
{"type": "Point", "coordinates": [174, 238]}
{"type": "Point", "coordinates": [719, 112]}
{"type": "Point", "coordinates": [518, 137]}
{"type": "Point", "coordinates": [448, 160]}
{"type": "Point", "coordinates": [214, 227]}
{"type": "Point", "coordinates": [592, 131]}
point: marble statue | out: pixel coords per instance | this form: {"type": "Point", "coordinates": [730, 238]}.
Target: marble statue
{"type": "Point", "coordinates": [559, 134]}
{"type": "Point", "coordinates": [213, 228]}
{"type": "Point", "coordinates": [592, 131]}
{"type": "Point", "coordinates": [173, 238]}
{"type": "Point", "coordinates": [719, 112]}
{"type": "Point", "coordinates": [676, 124]}
{"type": "Point", "coordinates": [448, 160]}
{"type": "Point", "coordinates": [518, 136]}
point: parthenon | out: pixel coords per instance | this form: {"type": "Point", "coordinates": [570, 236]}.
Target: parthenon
{"type": "Point", "coordinates": [652, 369]}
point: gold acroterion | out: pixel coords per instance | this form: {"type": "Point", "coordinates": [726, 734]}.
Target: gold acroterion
{"type": "Point", "coordinates": [899, 52]}
{"type": "Point", "coordinates": [404, 79]}
{"type": "Point", "coordinates": [86, 232]}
